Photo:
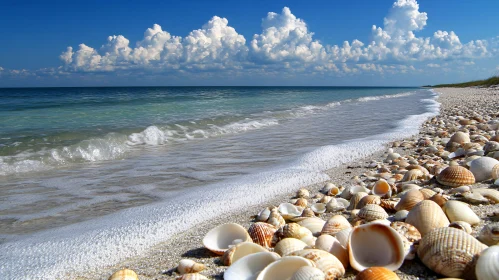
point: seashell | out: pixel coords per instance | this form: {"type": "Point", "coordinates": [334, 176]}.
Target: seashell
{"type": "Point", "coordinates": [351, 190]}
{"type": "Point", "coordinates": [460, 211]}
{"type": "Point", "coordinates": [412, 175]}
{"type": "Point", "coordinates": [439, 199]}
{"type": "Point", "coordinates": [294, 230]}
{"type": "Point", "coordinates": [460, 152]}
{"type": "Point", "coordinates": [392, 156]}
{"type": "Point", "coordinates": [303, 193]}
{"type": "Point", "coordinates": [262, 234]}
{"type": "Point", "coordinates": [491, 194]}
{"type": "Point", "coordinates": [375, 245]}
{"type": "Point", "coordinates": [189, 266]}
{"type": "Point", "coordinates": [455, 176]}
{"type": "Point", "coordinates": [354, 200]}
{"type": "Point", "coordinates": [450, 252]}
{"type": "Point", "coordinates": [124, 274]}
{"type": "Point", "coordinates": [368, 199]}
{"type": "Point", "coordinates": [325, 199]}
{"type": "Point", "coordinates": [407, 230]}
{"type": "Point", "coordinates": [409, 200]}
{"type": "Point", "coordinates": [219, 239]}
{"type": "Point", "coordinates": [318, 196]}
{"type": "Point", "coordinates": [427, 215]}
{"type": "Point", "coordinates": [491, 146]}
{"type": "Point", "coordinates": [427, 193]}
{"type": "Point", "coordinates": [388, 205]}
{"type": "Point", "coordinates": [308, 273]}
{"type": "Point", "coordinates": [289, 211]}
{"type": "Point", "coordinates": [382, 189]}
{"type": "Point", "coordinates": [326, 262]}
{"type": "Point", "coordinates": [263, 215]}
{"type": "Point", "coordinates": [401, 215]}
{"type": "Point", "coordinates": [482, 168]}
{"type": "Point", "coordinates": [407, 187]}
{"type": "Point", "coordinates": [464, 226]}
{"type": "Point", "coordinates": [475, 198]}
{"type": "Point", "coordinates": [284, 268]}
{"type": "Point", "coordinates": [495, 172]}
{"type": "Point", "coordinates": [335, 224]}
{"type": "Point", "coordinates": [330, 244]}
{"type": "Point", "coordinates": [192, 276]}
{"type": "Point", "coordinates": [333, 191]}
{"type": "Point", "coordinates": [308, 213]}
{"type": "Point", "coordinates": [248, 267]}
{"type": "Point", "coordinates": [301, 202]}
{"type": "Point", "coordinates": [486, 266]}
{"type": "Point", "coordinates": [289, 245]}
{"type": "Point", "coordinates": [343, 235]}
{"type": "Point", "coordinates": [327, 187]}
{"type": "Point", "coordinates": [333, 205]}
{"type": "Point", "coordinates": [460, 138]}
{"type": "Point", "coordinates": [489, 234]}
{"type": "Point", "coordinates": [376, 273]}
{"type": "Point", "coordinates": [460, 190]}
{"type": "Point", "coordinates": [372, 212]}
{"type": "Point", "coordinates": [318, 208]}
{"type": "Point", "coordinates": [314, 224]}
{"type": "Point", "coordinates": [276, 219]}
{"type": "Point", "coordinates": [240, 250]}
{"type": "Point", "coordinates": [343, 201]}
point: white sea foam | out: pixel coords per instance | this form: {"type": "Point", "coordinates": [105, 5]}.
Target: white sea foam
{"type": "Point", "coordinates": [387, 96]}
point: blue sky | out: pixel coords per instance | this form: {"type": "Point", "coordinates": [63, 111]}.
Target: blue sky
{"type": "Point", "coordinates": [363, 42]}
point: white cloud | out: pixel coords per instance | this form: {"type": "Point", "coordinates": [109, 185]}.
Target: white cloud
{"type": "Point", "coordinates": [433, 65]}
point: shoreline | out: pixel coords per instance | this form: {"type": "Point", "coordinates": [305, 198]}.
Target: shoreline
{"type": "Point", "coordinates": [161, 261]}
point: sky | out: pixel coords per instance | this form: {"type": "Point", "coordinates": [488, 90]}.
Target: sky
{"type": "Point", "coordinates": [248, 43]}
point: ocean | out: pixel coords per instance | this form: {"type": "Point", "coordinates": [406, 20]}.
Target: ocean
{"type": "Point", "coordinates": [90, 176]}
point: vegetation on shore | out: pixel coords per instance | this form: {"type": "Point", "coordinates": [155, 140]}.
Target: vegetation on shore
{"type": "Point", "coordinates": [494, 80]}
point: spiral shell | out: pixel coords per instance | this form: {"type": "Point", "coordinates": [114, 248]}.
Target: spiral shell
{"type": "Point", "coordinates": [335, 224]}
{"type": "Point", "coordinates": [324, 261]}
{"type": "Point", "coordinates": [262, 234]}
{"type": "Point", "coordinates": [450, 252]}
{"type": "Point", "coordinates": [372, 212]}
{"type": "Point", "coordinates": [427, 215]}
{"type": "Point", "coordinates": [376, 273]}
{"type": "Point", "coordinates": [241, 250]}
{"type": "Point", "coordinates": [219, 239]}
{"type": "Point", "coordinates": [486, 266]}
{"type": "Point", "coordinates": [124, 274]}
{"type": "Point", "coordinates": [455, 176]}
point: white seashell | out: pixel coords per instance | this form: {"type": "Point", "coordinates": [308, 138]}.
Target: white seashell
{"type": "Point", "coordinates": [406, 187]}
{"type": "Point", "coordinates": [343, 201]}
{"type": "Point", "coordinates": [495, 172]}
{"type": "Point", "coordinates": [289, 245]}
{"type": "Point", "coordinates": [488, 193]}
{"type": "Point", "coordinates": [382, 189]}
{"type": "Point", "coordinates": [489, 234]}
{"type": "Point", "coordinates": [401, 215]}
{"type": "Point", "coordinates": [248, 267]}
{"type": "Point", "coordinates": [219, 239]}
{"type": "Point", "coordinates": [392, 156]}
{"type": "Point", "coordinates": [318, 208]}
{"type": "Point", "coordinates": [351, 190]}
{"type": "Point", "coordinates": [124, 274]}
{"type": "Point", "coordinates": [263, 215]}
{"type": "Point", "coordinates": [460, 190]}
{"type": "Point", "coordinates": [482, 168]}
{"type": "Point", "coordinates": [327, 187]}
{"type": "Point", "coordinates": [333, 205]}
{"type": "Point", "coordinates": [457, 153]}
{"type": "Point", "coordinates": [460, 211]}
{"type": "Point", "coordinates": [343, 235]}
{"type": "Point", "coordinates": [487, 265]}
{"type": "Point", "coordinates": [314, 224]}
{"type": "Point", "coordinates": [308, 273]}
{"type": "Point", "coordinates": [335, 224]}
{"type": "Point", "coordinates": [294, 230]}
{"type": "Point", "coordinates": [464, 226]}
{"type": "Point", "coordinates": [240, 250]}
{"type": "Point", "coordinates": [284, 268]}
{"type": "Point", "coordinates": [275, 219]}
{"type": "Point", "coordinates": [330, 244]}
{"type": "Point", "coordinates": [289, 211]}
{"type": "Point", "coordinates": [375, 245]}
{"type": "Point", "coordinates": [324, 261]}
{"type": "Point", "coordinates": [189, 266]}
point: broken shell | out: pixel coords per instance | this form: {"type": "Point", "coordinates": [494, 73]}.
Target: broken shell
{"type": "Point", "coordinates": [372, 212]}
{"type": "Point", "coordinates": [450, 252]}
{"type": "Point", "coordinates": [192, 276]}
{"type": "Point", "coordinates": [486, 266]}
{"type": "Point", "coordinates": [355, 199]}
{"type": "Point", "coordinates": [330, 244]}
{"type": "Point", "coordinates": [455, 176]}
{"type": "Point", "coordinates": [376, 273]}
{"type": "Point", "coordinates": [375, 245]}
{"type": "Point", "coordinates": [284, 268]}
{"type": "Point", "coordinates": [250, 266]}
{"type": "Point", "coordinates": [475, 198]}
{"type": "Point", "coordinates": [382, 189]}
{"type": "Point", "coordinates": [308, 273]}
{"type": "Point", "coordinates": [262, 234]}
{"type": "Point", "coordinates": [489, 234]}
{"type": "Point", "coordinates": [219, 239]}
{"type": "Point", "coordinates": [460, 190]}
{"type": "Point", "coordinates": [289, 245]}
{"type": "Point", "coordinates": [263, 215]}
{"type": "Point", "coordinates": [124, 274]}
{"type": "Point", "coordinates": [326, 262]}
{"type": "Point", "coordinates": [304, 193]}
{"type": "Point", "coordinates": [427, 215]}
{"type": "Point", "coordinates": [409, 200]}
{"type": "Point", "coordinates": [460, 211]}
{"type": "Point", "coordinates": [482, 168]}
{"type": "Point", "coordinates": [289, 211]}
{"type": "Point", "coordinates": [241, 250]}
{"type": "Point", "coordinates": [189, 266]}
{"type": "Point", "coordinates": [314, 224]}
{"type": "Point", "coordinates": [464, 226]}
{"type": "Point", "coordinates": [335, 224]}
{"type": "Point", "coordinates": [368, 199]}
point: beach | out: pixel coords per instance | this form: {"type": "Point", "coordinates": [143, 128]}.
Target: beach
{"type": "Point", "coordinates": [160, 262]}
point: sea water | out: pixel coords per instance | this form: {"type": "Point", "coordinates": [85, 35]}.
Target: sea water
{"type": "Point", "coordinates": [90, 176]}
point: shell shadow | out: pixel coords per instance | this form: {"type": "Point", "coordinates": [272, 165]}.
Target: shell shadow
{"type": "Point", "coordinates": [200, 253]}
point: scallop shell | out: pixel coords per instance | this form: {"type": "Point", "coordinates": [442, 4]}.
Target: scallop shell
{"type": "Point", "coordinates": [304, 193]}
{"type": "Point", "coordinates": [189, 266]}
{"type": "Point", "coordinates": [288, 210]}
{"type": "Point", "coordinates": [248, 267]}
{"type": "Point", "coordinates": [372, 212]}
{"type": "Point", "coordinates": [289, 245]}
{"type": "Point", "coordinates": [427, 215]}
{"type": "Point", "coordinates": [486, 266]}
{"type": "Point", "coordinates": [489, 234]}
{"type": "Point", "coordinates": [240, 250]}
{"type": "Point", "coordinates": [330, 244]}
{"type": "Point", "coordinates": [450, 252]}
{"type": "Point", "coordinates": [482, 168]}
{"type": "Point", "coordinates": [192, 276]}
{"type": "Point", "coordinates": [219, 239]}
{"type": "Point", "coordinates": [376, 273]}
{"type": "Point", "coordinates": [355, 199]}
{"type": "Point", "coordinates": [375, 244]}
{"type": "Point", "coordinates": [464, 226]}
{"type": "Point", "coordinates": [324, 261]}
{"type": "Point", "coordinates": [368, 199]}
{"type": "Point", "coordinates": [409, 200]}
{"type": "Point", "coordinates": [284, 268]}
{"type": "Point", "coordinates": [460, 211]}
{"type": "Point", "coordinates": [314, 224]}
{"type": "Point", "coordinates": [335, 224]}
{"type": "Point", "coordinates": [308, 273]}
{"type": "Point", "coordinates": [382, 189]}
{"type": "Point", "coordinates": [262, 234]}
{"type": "Point", "coordinates": [455, 176]}
{"type": "Point", "coordinates": [124, 274]}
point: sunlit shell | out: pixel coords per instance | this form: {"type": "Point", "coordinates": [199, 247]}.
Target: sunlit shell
{"type": "Point", "coordinates": [308, 273]}
{"type": "Point", "coordinates": [222, 237]}
{"type": "Point", "coordinates": [314, 224]}
{"type": "Point", "coordinates": [482, 168]}
{"type": "Point", "coordinates": [192, 276]}
{"type": "Point", "coordinates": [351, 190]}
{"type": "Point", "coordinates": [409, 231]}
{"type": "Point", "coordinates": [460, 211]}
{"type": "Point", "coordinates": [326, 262]}
{"type": "Point", "coordinates": [460, 190]}
{"type": "Point", "coordinates": [262, 234]}
{"type": "Point", "coordinates": [343, 235]}
{"type": "Point", "coordinates": [372, 212]}
{"type": "Point", "coordinates": [377, 273]}
{"type": "Point", "coordinates": [407, 187]}
{"type": "Point", "coordinates": [263, 215]}
{"type": "Point", "coordinates": [489, 193]}
{"type": "Point", "coordinates": [464, 226]}
{"type": "Point", "coordinates": [333, 205]}
{"type": "Point", "coordinates": [301, 202]}
{"type": "Point", "coordinates": [455, 176]}
{"type": "Point", "coordinates": [284, 268]}
{"type": "Point", "coordinates": [355, 199]}
{"type": "Point", "coordinates": [427, 193]}
{"type": "Point", "coordinates": [375, 244]}
{"type": "Point", "coordinates": [289, 245]}
{"type": "Point", "coordinates": [460, 138]}
{"type": "Point", "coordinates": [450, 252]}
{"type": "Point", "coordinates": [427, 215]}
{"type": "Point", "coordinates": [240, 250]}
{"type": "Point", "coordinates": [439, 199]}
{"type": "Point", "coordinates": [248, 267]}
{"type": "Point", "coordinates": [328, 186]}
{"type": "Point", "coordinates": [489, 234]}
{"type": "Point", "coordinates": [333, 191]}
{"type": "Point", "coordinates": [382, 188]}
{"type": "Point", "coordinates": [308, 213]}
{"type": "Point", "coordinates": [294, 230]}
{"type": "Point", "coordinates": [304, 193]}
{"type": "Point", "coordinates": [288, 210]}
{"type": "Point", "coordinates": [124, 274]}
{"type": "Point", "coordinates": [276, 219]}
{"type": "Point", "coordinates": [486, 266]}
{"type": "Point", "coordinates": [409, 200]}
{"type": "Point", "coordinates": [346, 203]}
{"type": "Point", "coordinates": [325, 199]}
{"type": "Point", "coordinates": [330, 244]}
{"type": "Point", "coordinates": [389, 204]}
{"type": "Point", "coordinates": [368, 199]}
{"type": "Point", "coordinates": [412, 175]}
{"type": "Point", "coordinates": [189, 266]}
{"type": "Point", "coordinates": [318, 208]}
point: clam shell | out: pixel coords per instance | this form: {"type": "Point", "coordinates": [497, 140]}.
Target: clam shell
{"type": "Point", "coordinates": [488, 193]}
{"type": "Point", "coordinates": [294, 230]}
{"type": "Point", "coordinates": [464, 226]}
{"type": "Point", "coordinates": [460, 138]}
{"type": "Point", "coordinates": [324, 261]}
{"type": "Point", "coordinates": [409, 200]}
{"type": "Point", "coordinates": [376, 273]}
{"type": "Point", "coordinates": [308, 213]}
{"type": "Point", "coordinates": [318, 208]}
{"type": "Point", "coordinates": [248, 267]}
{"type": "Point", "coordinates": [289, 245]}
{"type": "Point", "coordinates": [427, 193]}
{"type": "Point", "coordinates": [368, 199]}
{"type": "Point", "coordinates": [189, 266]}
{"type": "Point", "coordinates": [427, 215]}
{"type": "Point", "coordinates": [355, 199]}
{"type": "Point", "coordinates": [333, 191]}
{"type": "Point", "coordinates": [330, 244]}
{"type": "Point", "coordinates": [192, 276]}
{"type": "Point", "coordinates": [219, 239]}
{"type": "Point", "coordinates": [372, 212]}
{"type": "Point", "coordinates": [301, 202]}
{"type": "Point", "coordinates": [486, 266]}
{"type": "Point", "coordinates": [284, 268]}
{"type": "Point", "coordinates": [375, 244]}
{"type": "Point", "coordinates": [460, 211]}
{"type": "Point", "coordinates": [455, 176]}
{"type": "Point", "coordinates": [241, 250]}
{"type": "Point", "coordinates": [482, 168]}
{"type": "Point", "coordinates": [335, 224]}
{"type": "Point", "coordinates": [262, 234]}
{"type": "Point", "coordinates": [124, 274]}
{"type": "Point", "coordinates": [314, 224]}
{"type": "Point", "coordinates": [308, 273]}
{"type": "Point", "coordinates": [343, 235]}
{"type": "Point", "coordinates": [304, 193]}
{"type": "Point", "coordinates": [382, 188]}
{"type": "Point", "coordinates": [489, 234]}
{"type": "Point", "coordinates": [450, 252]}
{"type": "Point", "coordinates": [289, 211]}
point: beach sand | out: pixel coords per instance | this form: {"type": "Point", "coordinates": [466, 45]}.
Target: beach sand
{"type": "Point", "coordinates": [161, 261]}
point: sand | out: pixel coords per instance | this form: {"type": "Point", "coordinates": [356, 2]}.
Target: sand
{"type": "Point", "coordinates": [160, 262]}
